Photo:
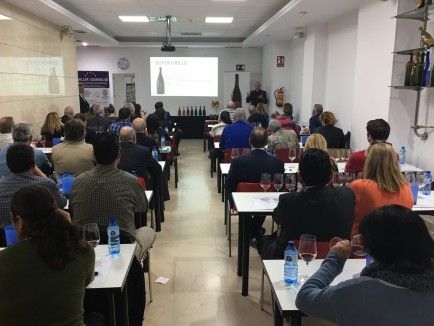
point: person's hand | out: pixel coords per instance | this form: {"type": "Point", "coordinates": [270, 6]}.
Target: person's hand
{"type": "Point", "coordinates": [342, 249]}
{"type": "Point", "coordinates": [64, 214]}
{"type": "Point", "coordinates": [234, 211]}
{"type": "Point", "coordinates": [37, 171]}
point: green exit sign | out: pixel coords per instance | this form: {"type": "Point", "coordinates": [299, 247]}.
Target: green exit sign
{"type": "Point", "coordinates": [240, 67]}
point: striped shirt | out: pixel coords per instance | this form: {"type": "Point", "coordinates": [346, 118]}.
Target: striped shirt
{"type": "Point", "coordinates": [104, 192]}
{"type": "Point", "coordinates": [116, 127]}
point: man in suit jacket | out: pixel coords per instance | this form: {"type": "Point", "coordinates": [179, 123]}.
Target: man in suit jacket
{"type": "Point", "coordinates": [98, 123]}
{"type": "Point", "coordinates": [142, 138]}
{"type": "Point", "coordinates": [84, 105]}
{"type": "Point", "coordinates": [237, 134]}
{"type": "Point", "coordinates": [248, 168]}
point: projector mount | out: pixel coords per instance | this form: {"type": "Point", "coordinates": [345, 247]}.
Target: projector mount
{"type": "Point", "coordinates": [167, 42]}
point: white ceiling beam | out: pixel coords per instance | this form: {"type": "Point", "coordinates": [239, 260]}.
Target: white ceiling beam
{"type": "Point", "coordinates": [61, 10]}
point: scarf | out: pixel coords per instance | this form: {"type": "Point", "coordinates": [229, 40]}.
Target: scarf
{"type": "Point", "coordinates": [423, 281]}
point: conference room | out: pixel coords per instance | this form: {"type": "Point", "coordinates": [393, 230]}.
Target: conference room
{"type": "Point", "coordinates": [216, 162]}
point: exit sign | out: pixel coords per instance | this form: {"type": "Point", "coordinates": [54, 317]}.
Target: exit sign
{"type": "Point", "coordinates": [240, 67]}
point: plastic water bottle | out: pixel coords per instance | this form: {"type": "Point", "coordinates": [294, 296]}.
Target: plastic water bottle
{"type": "Point", "coordinates": [114, 243]}
{"type": "Point", "coordinates": [163, 142]}
{"type": "Point", "coordinates": [155, 153]}
{"type": "Point", "coordinates": [426, 190]}
{"type": "Point", "coordinates": [290, 269]}
{"type": "Point", "coordinates": [402, 155]}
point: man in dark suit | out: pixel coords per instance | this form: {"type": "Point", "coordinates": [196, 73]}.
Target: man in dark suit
{"type": "Point", "coordinates": [142, 138]}
{"type": "Point", "coordinates": [248, 168]}
{"type": "Point", "coordinates": [84, 105]}
{"type": "Point", "coordinates": [97, 122]}
{"type": "Point", "coordinates": [257, 95]}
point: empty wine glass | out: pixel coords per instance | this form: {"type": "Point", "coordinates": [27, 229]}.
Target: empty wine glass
{"type": "Point", "coordinates": [265, 182]}
{"type": "Point", "coordinates": [278, 181]}
{"type": "Point", "coordinates": [290, 181]}
{"type": "Point", "coordinates": [307, 251]}
{"type": "Point", "coordinates": [292, 154]}
{"type": "Point", "coordinates": [91, 234]}
{"type": "Point", "coordinates": [357, 246]}
{"type": "Point", "coordinates": [235, 152]}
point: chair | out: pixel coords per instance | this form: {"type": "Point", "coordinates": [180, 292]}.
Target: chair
{"type": "Point", "coordinates": [213, 155]}
{"type": "Point", "coordinates": [142, 252]}
{"type": "Point", "coordinates": [228, 154]}
{"type": "Point", "coordinates": [206, 131]}
{"type": "Point", "coordinates": [172, 158]}
{"type": "Point", "coordinates": [283, 155]}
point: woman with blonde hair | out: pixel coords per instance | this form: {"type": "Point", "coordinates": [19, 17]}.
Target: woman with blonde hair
{"type": "Point", "coordinates": [319, 142]}
{"type": "Point", "coordinates": [52, 127]}
{"type": "Point", "coordinates": [334, 136]}
{"type": "Point", "coordinates": [382, 183]}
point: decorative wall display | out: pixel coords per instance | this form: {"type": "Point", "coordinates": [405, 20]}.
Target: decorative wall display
{"type": "Point", "coordinates": [280, 61]}
{"type": "Point", "coordinates": [97, 86]}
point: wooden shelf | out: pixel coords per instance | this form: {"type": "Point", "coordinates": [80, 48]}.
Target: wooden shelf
{"type": "Point", "coordinates": [408, 52]}
{"type": "Point", "coordinates": [415, 14]}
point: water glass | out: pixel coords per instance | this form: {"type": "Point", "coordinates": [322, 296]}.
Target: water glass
{"type": "Point", "coordinates": [414, 191]}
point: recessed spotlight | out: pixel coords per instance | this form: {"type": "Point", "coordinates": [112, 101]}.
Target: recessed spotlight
{"type": "Point", "coordinates": [219, 20]}
{"type": "Point", "coordinates": [84, 43]}
{"type": "Point", "coordinates": [3, 17]}
{"type": "Point", "coordinates": [134, 19]}
{"type": "Point", "coordinates": [302, 13]}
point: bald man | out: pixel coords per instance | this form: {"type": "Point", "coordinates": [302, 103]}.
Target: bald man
{"type": "Point", "coordinates": [68, 114]}
{"type": "Point", "coordinates": [142, 138]}
{"type": "Point", "coordinates": [257, 95]}
{"type": "Point", "coordinates": [230, 107]}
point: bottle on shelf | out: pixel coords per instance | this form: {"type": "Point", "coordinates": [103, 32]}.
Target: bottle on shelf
{"type": "Point", "coordinates": [183, 111]}
{"type": "Point", "coordinates": [236, 93]}
{"type": "Point", "coordinates": [191, 111]}
{"type": "Point", "coordinates": [188, 110]}
{"type": "Point", "coordinates": [195, 111]}
{"type": "Point", "coordinates": [204, 110]}
{"type": "Point", "coordinates": [160, 82]}
{"type": "Point", "coordinates": [290, 267]}
{"type": "Point", "coordinates": [113, 234]}
{"type": "Point", "coordinates": [408, 70]}
{"type": "Point", "coordinates": [402, 155]}
{"type": "Point", "coordinates": [426, 190]}
{"type": "Point", "coordinates": [426, 75]}
{"type": "Point", "coordinates": [200, 111]}
{"type": "Point", "coordinates": [415, 72]}
{"type": "Point", "coordinates": [179, 112]}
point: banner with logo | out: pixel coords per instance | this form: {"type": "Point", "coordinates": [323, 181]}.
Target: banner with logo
{"type": "Point", "coordinates": [96, 86]}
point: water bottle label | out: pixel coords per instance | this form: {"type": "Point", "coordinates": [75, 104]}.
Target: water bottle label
{"type": "Point", "coordinates": [290, 258]}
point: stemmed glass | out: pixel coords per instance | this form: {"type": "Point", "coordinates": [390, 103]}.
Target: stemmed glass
{"type": "Point", "coordinates": [265, 182]}
{"type": "Point", "coordinates": [420, 179]}
{"type": "Point", "coordinates": [338, 180]}
{"type": "Point", "coordinates": [344, 155]}
{"type": "Point", "coordinates": [91, 234]}
{"type": "Point", "coordinates": [348, 177]}
{"type": "Point", "coordinates": [292, 154]}
{"type": "Point", "coordinates": [235, 152]}
{"type": "Point", "coordinates": [357, 246]}
{"type": "Point", "coordinates": [278, 181]}
{"type": "Point", "coordinates": [290, 181]}
{"type": "Point", "coordinates": [307, 251]}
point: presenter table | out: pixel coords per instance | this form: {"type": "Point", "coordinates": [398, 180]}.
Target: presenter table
{"type": "Point", "coordinates": [191, 126]}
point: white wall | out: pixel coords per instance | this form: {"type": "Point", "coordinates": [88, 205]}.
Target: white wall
{"type": "Point", "coordinates": [106, 59]}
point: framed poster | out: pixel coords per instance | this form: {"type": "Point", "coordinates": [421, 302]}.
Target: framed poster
{"type": "Point", "coordinates": [280, 61]}
{"type": "Point", "coordinates": [97, 86]}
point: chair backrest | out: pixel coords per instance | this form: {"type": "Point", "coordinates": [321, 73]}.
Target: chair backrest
{"type": "Point", "coordinates": [227, 153]}
{"type": "Point", "coordinates": [217, 138]}
{"type": "Point", "coordinates": [251, 187]}
{"type": "Point", "coordinates": [283, 155]}
{"type": "Point", "coordinates": [207, 128]}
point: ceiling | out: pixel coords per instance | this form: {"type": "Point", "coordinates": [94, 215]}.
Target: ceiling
{"type": "Point", "coordinates": [255, 21]}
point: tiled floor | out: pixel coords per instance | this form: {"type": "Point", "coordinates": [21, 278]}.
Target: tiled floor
{"type": "Point", "coordinates": [192, 250]}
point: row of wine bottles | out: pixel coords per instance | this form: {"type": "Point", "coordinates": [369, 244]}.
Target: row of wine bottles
{"type": "Point", "coordinates": [192, 112]}
{"type": "Point", "coordinates": [418, 70]}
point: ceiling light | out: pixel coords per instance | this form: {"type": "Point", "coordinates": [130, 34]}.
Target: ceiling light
{"type": "Point", "coordinates": [134, 19]}
{"type": "Point", "coordinates": [84, 43]}
{"type": "Point", "coordinates": [3, 17]}
{"type": "Point", "coordinates": [219, 20]}
{"type": "Point", "coordinates": [302, 13]}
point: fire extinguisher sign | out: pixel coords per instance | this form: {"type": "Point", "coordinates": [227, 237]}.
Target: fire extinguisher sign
{"type": "Point", "coordinates": [280, 61]}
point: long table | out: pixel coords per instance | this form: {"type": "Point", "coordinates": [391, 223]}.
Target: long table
{"type": "Point", "coordinates": [284, 297]}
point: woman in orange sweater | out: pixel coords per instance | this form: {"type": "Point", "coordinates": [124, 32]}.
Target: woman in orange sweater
{"type": "Point", "coordinates": [382, 183]}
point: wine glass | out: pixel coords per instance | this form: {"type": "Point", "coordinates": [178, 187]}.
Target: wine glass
{"type": "Point", "coordinates": [292, 154]}
{"type": "Point", "coordinates": [91, 234]}
{"type": "Point", "coordinates": [348, 177]}
{"type": "Point", "coordinates": [338, 180]}
{"type": "Point", "coordinates": [344, 155]}
{"type": "Point", "coordinates": [265, 182]}
{"type": "Point", "coordinates": [278, 181]}
{"type": "Point", "coordinates": [334, 241]}
{"type": "Point", "coordinates": [307, 251]}
{"type": "Point", "coordinates": [290, 181]}
{"type": "Point", "coordinates": [235, 152]}
{"type": "Point", "coordinates": [420, 179]}
{"type": "Point", "coordinates": [357, 246]}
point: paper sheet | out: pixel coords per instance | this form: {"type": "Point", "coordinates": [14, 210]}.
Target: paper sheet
{"type": "Point", "coordinates": [162, 280]}
{"type": "Point", "coordinates": [263, 204]}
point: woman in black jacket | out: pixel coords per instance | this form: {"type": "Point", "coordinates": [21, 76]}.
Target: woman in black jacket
{"type": "Point", "coordinates": [334, 136]}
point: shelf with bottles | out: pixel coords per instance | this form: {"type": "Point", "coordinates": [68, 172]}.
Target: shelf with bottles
{"type": "Point", "coordinates": [192, 112]}
{"type": "Point", "coordinates": [420, 14]}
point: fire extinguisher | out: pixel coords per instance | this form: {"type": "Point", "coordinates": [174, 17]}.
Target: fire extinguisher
{"type": "Point", "coordinates": [279, 95]}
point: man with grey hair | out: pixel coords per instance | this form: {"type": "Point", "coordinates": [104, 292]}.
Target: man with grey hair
{"type": "Point", "coordinates": [257, 95]}
{"type": "Point", "coordinates": [68, 114]}
{"type": "Point", "coordinates": [23, 133]}
{"type": "Point", "coordinates": [230, 107]}
{"type": "Point", "coordinates": [237, 134]}
{"type": "Point", "coordinates": [142, 138]}
{"type": "Point", "coordinates": [281, 138]}
{"type": "Point", "coordinates": [98, 123]}
{"type": "Point", "coordinates": [314, 121]}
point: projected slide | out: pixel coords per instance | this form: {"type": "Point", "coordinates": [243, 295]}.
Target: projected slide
{"type": "Point", "coordinates": [184, 76]}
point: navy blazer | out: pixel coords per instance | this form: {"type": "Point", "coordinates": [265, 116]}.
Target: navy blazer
{"type": "Point", "coordinates": [248, 168]}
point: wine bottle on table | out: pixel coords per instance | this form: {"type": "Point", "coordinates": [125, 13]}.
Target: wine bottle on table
{"type": "Point", "coordinates": [408, 70]}
{"type": "Point", "coordinates": [188, 110]}
{"type": "Point", "coordinates": [191, 111]}
{"type": "Point", "coordinates": [200, 111]}
{"type": "Point", "coordinates": [183, 111]}
{"type": "Point", "coordinates": [204, 111]}
{"type": "Point", "coordinates": [179, 112]}
{"type": "Point", "coordinates": [426, 75]}
{"type": "Point", "coordinates": [160, 82]}
{"type": "Point", "coordinates": [236, 93]}
{"type": "Point", "coordinates": [195, 111]}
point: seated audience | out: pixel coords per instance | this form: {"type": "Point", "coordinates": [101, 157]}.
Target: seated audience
{"type": "Point", "coordinates": [257, 117]}
{"type": "Point", "coordinates": [90, 134]}
{"type": "Point", "coordinates": [154, 129]}
{"type": "Point", "coordinates": [165, 121]}
{"type": "Point", "coordinates": [21, 161]}
{"type": "Point", "coordinates": [73, 155]}
{"type": "Point", "coordinates": [43, 277]}
{"type": "Point", "coordinates": [281, 138]}
{"type": "Point", "coordinates": [237, 134]}
{"type": "Point", "coordinates": [284, 120]}
{"type": "Point", "coordinates": [318, 141]}
{"type": "Point", "coordinates": [111, 114]}
{"type": "Point", "coordinates": [397, 288]}
{"type": "Point", "coordinates": [68, 114]}
{"type": "Point", "coordinates": [248, 168]}
{"type": "Point", "coordinates": [334, 136]}
{"type": "Point", "coordinates": [6, 126]}
{"type": "Point", "coordinates": [97, 123]}
{"type": "Point", "coordinates": [124, 121]}
{"type": "Point", "coordinates": [377, 130]}
{"type": "Point", "coordinates": [23, 133]}
{"type": "Point", "coordinates": [288, 111]}
{"type": "Point", "coordinates": [319, 209]}
{"type": "Point", "coordinates": [224, 120]}
{"type": "Point", "coordinates": [142, 138]}
{"type": "Point", "coordinates": [137, 112]}
{"type": "Point", "coordinates": [382, 183]}
{"type": "Point", "coordinates": [315, 121]}
{"type": "Point", "coordinates": [230, 107]}
{"type": "Point", "coordinates": [52, 127]}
